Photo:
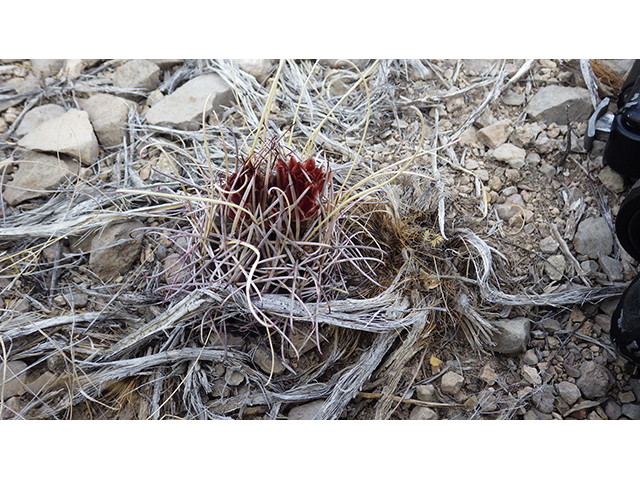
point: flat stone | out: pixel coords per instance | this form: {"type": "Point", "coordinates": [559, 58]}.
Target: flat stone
{"type": "Point", "coordinates": [264, 359]}
{"type": "Point", "coordinates": [48, 66]}
{"type": "Point", "coordinates": [612, 410]}
{"type": "Point", "coordinates": [569, 392]}
{"type": "Point", "coordinates": [423, 413]}
{"type": "Point", "coordinates": [555, 266]}
{"type": "Point", "coordinates": [307, 411]}
{"type": "Point", "coordinates": [38, 174]}
{"type": "Point", "coordinates": [427, 393]}
{"type": "Point", "coordinates": [496, 134]}
{"type": "Point", "coordinates": [530, 375]}
{"type": "Point", "coordinates": [115, 249]}
{"type": "Point", "coordinates": [468, 137]}
{"type": "Point", "coordinates": [488, 374]}
{"type": "Point", "coordinates": [479, 66]}
{"type": "Point", "coordinates": [512, 98]}
{"type": "Point", "coordinates": [530, 357]}
{"type": "Point", "coordinates": [183, 108]}
{"type": "Point", "coordinates": [612, 268]}
{"type": "Point", "coordinates": [108, 115]}
{"type": "Point", "coordinates": [70, 133]}
{"type": "Point", "coordinates": [626, 397]}
{"type": "Point", "coordinates": [512, 335]}
{"type": "Point", "coordinates": [36, 116]}
{"type": "Point", "coordinates": [595, 380]}
{"type": "Point", "coordinates": [612, 180]}
{"type": "Point", "coordinates": [14, 380]}
{"type": "Point", "coordinates": [510, 154]}
{"type": "Point", "coordinates": [631, 410]}
{"type": "Point", "coordinates": [544, 398]}
{"type": "Point", "coordinates": [233, 377]}
{"type": "Point", "coordinates": [451, 383]}
{"type": "Point", "coordinates": [549, 105]}
{"type": "Point", "coordinates": [138, 73]}
{"type": "Point", "coordinates": [551, 325]}
{"type": "Point", "coordinates": [593, 238]}
{"type": "Point", "coordinates": [549, 245]}
{"type": "Point", "coordinates": [258, 67]}
{"type": "Point", "coordinates": [39, 385]}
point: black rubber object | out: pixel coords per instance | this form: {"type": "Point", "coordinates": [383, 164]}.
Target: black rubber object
{"type": "Point", "coordinates": [628, 222]}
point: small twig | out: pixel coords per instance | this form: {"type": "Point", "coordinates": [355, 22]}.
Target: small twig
{"type": "Point", "coordinates": [567, 253]}
{"type": "Point", "coordinates": [410, 401]}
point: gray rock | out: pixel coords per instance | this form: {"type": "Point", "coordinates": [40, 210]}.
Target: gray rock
{"type": "Point", "coordinates": [530, 375]}
{"type": "Point", "coordinates": [635, 386]}
{"type": "Point", "coordinates": [108, 115]}
{"type": "Point", "coordinates": [264, 360]}
{"type": "Point", "coordinates": [183, 108]}
{"type": "Point", "coordinates": [512, 206]}
{"type": "Point", "coordinates": [530, 357]}
{"type": "Point", "coordinates": [544, 398]}
{"type": "Point", "coordinates": [307, 411]}
{"type": "Point", "coordinates": [604, 322]}
{"type": "Point", "coordinates": [612, 410]}
{"type": "Point", "coordinates": [555, 266]}
{"type": "Point", "coordinates": [512, 335]}
{"type": "Point", "coordinates": [14, 380]}
{"type": "Point", "coordinates": [258, 67]}
{"type": "Point", "coordinates": [138, 73]}
{"type": "Point", "coordinates": [593, 238]}
{"type": "Point", "coordinates": [115, 249]}
{"type": "Point", "coordinates": [626, 397]}
{"type": "Point", "coordinates": [510, 154]}
{"type": "Point", "coordinates": [525, 135]}
{"type": "Point", "coordinates": [569, 392]}
{"type": "Point", "coordinates": [48, 66]}
{"type": "Point", "coordinates": [612, 268]}
{"type": "Point", "coordinates": [427, 393]}
{"type": "Point", "coordinates": [631, 410]}
{"type": "Point", "coordinates": [36, 116]}
{"type": "Point", "coordinates": [39, 385]}
{"type": "Point", "coordinates": [488, 374]}
{"type": "Point", "coordinates": [612, 180]}
{"type": "Point", "coordinates": [512, 98]}
{"type": "Point", "coordinates": [70, 133]}
{"type": "Point", "coordinates": [233, 377]}
{"type": "Point", "coordinates": [496, 134]}
{"type": "Point", "coordinates": [551, 325]}
{"type": "Point", "coordinates": [595, 380]}
{"type": "Point", "coordinates": [38, 174]}
{"type": "Point", "coordinates": [549, 105]}
{"type": "Point", "coordinates": [423, 413]}
{"type": "Point", "coordinates": [549, 245]}
{"type": "Point", "coordinates": [451, 383]}
{"type": "Point", "coordinates": [479, 66]}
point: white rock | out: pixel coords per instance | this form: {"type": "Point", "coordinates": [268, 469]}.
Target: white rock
{"type": "Point", "coordinates": [451, 383]}
{"type": "Point", "coordinates": [510, 154]}
{"type": "Point", "coordinates": [305, 412]}
{"type": "Point", "coordinates": [549, 105]}
{"type": "Point", "coordinates": [555, 266]}
{"type": "Point", "coordinates": [115, 249]}
{"type": "Point", "coordinates": [108, 115]}
{"type": "Point", "coordinates": [37, 175]}
{"type": "Point", "coordinates": [496, 134]}
{"type": "Point", "coordinates": [423, 413]}
{"type": "Point", "coordinates": [14, 381]}
{"type": "Point", "coordinates": [611, 179]}
{"type": "Point", "coordinates": [70, 133]}
{"type": "Point", "coordinates": [258, 67]}
{"type": "Point", "coordinates": [512, 335]}
{"type": "Point", "coordinates": [183, 108]}
{"type": "Point", "coordinates": [137, 74]}
{"type": "Point", "coordinates": [36, 116]}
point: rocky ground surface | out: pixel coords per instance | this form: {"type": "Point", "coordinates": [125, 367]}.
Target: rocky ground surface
{"type": "Point", "coordinates": [523, 178]}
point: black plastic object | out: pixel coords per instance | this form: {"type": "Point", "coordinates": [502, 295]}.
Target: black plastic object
{"type": "Point", "coordinates": [628, 222]}
{"type": "Point", "coordinates": [625, 323]}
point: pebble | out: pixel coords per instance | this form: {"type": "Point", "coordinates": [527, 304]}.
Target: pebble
{"type": "Point", "coordinates": [512, 98]}
{"type": "Point", "coordinates": [70, 133]}
{"type": "Point", "coordinates": [544, 398]}
{"type": "Point", "coordinates": [510, 154]}
{"type": "Point", "coordinates": [258, 67]}
{"type": "Point", "coordinates": [530, 357]}
{"type": "Point", "coordinates": [138, 73]}
{"type": "Point", "coordinates": [36, 116]}
{"type": "Point", "coordinates": [427, 393]}
{"type": "Point", "coordinates": [512, 335]}
{"type": "Point", "coordinates": [306, 411]}
{"type": "Point", "coordinates": [14, 381]}
{"type": "Point", "coordinates": [423, 413]}
{"type": "Point", "coordinates": [233, 377]}
{"type": "Point", "coordinates": [555, 266]}
{"type": "Point", "coordinates": [549, 245]}
{"type": "Point", "coordinates": [183, 108]}
{"type": "Point", "coordinates": [451, 383]}
{"type": "Point", "coordinates": [552, 104]}
{"type": "Point", "coordinates": [612, 410]}
{"type": "Point", "coordinates": [626, 397]}
{"type": "Point", "coordinates": [551, 325]}
{"type": "Point", "coordinates": [263, 359]}
{"type": "Point", "coordinates": [115, 249]}
{"type": "Point", "coordinates": [488, 374]}
{"type": "Point", "coordinates": [604, 321]}
{"type": "Point", "coordinates": [569, 392]}
{"type": "Point", "coordinates": [611, 179]}
{"type": "Point", "coordinates": [635, 386]}
{"type": "Point", "coordinates": [612, 268]}
{"type": "Point", "coordinates": [631, 410]}
{"type": "Point", "coordinates": [37, 386]}
{"type": "Point", "coordinates": [496, 134]}
{"type": "Point", "coordinates": [595, 380]}
{"type": "Point", "coordinates": [108, 115]}
{"type": "Point", "coordinates": [593, 238]}
{"type": "Point", "coordinates": [11, 408]}
{"type": "Point", "coordinates": [525, 135]}
{"type": "Point", "coordinates": [468, 137]}
{"type": "Point", "coordinates": [530, 375]}
{"type": "Point", "coordinates": [37, 175]}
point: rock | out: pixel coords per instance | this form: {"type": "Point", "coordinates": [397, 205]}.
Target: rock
{"type": "Point", "coordinates": [595, 380]}
{"type": "Point", "coordinates": [307, 411]}
{"type": "Point", "coordinates": [70, 133]}
{"type": "Point", "coordinates": [36, 116]}
{"type": "Point", "coordinates": [258, 67]}
{"type": "Point", "coordinates": [551, 325]}
{"type": "Point", "coordinates": [612, 410]}
{"type": "Point", "coordinates": [14, 380]}
{"type": "Point", "coordinates": [455, 103]}
{"type": "Point", "coordinates": [530, 375]}
{"type": "Point", "coordinates": [513, 206]}
{"type": "Point", "coordinates": [264, 359]}
{"type": "Point", "coordinates": [530, 357]}
{"type": "Point", "coordinates": [39, 385]}
{"type": "Point", "coordinates": [612, 268]}
{"type": "Point", "coordinates": [427, 393]}
{"type": "Point", "coordinates": [612, 180]}
{"type": "Point", "coordinates": [510, 154]}
{"type": "Point", "coordinates": [183, 108]}
{"type": "Point", "coordinates": [37, 175]}
{"type": "Point", "coordinates": [635, 386]}
{"type": "Point", "coordinates": [479, 66]}
{"type": "Point", "coordinates": [488, 374]}
{"type": "Point", "coordinates": [555, 266]}
{"type": "Point", "coordinates": [512, 98]}
{"type": "Point", "coordinates": [139, 73]}
{"type": "Point", "coordinates": [544, 398]}
{"type": "Point", "coordinates": [233, 377]}
{"type": "Point", "coordinates": [631, 410]}
{"type": "Point", "coordinates": [496, 134]}
{"type": "Point", "coordinates": [549, 245]}
{"type": "Point", "coordinates": [108, 115]}
{"type": "Point", "coordinates": [11, 408]}
{"type": "Point", "coordinates": [593, 238]}
{"type": "Point", "coordinates": [468, 137]}
{"type": "Point", "coordinates": [569, 392]}
{"type": "Point", "coordinates": [451, 383]}
{"type": "Point", "coordinates": [115, 249]}
{"type": "Point", "coordinates": [549, 105]}
{"type": "Point", "coordinates": [626, 397]}
{"type": "Point", "coordinates": [603, 321]}
{"type": "Point", "coordinates": [47, 67]}
{"type": "Point", "coordinates": [512, 335]}
{"type": "Point", "coordinates": [423, 413]}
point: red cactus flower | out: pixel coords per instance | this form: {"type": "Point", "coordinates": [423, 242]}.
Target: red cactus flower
{"type": "Point", "coordinates": [303, 182]}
